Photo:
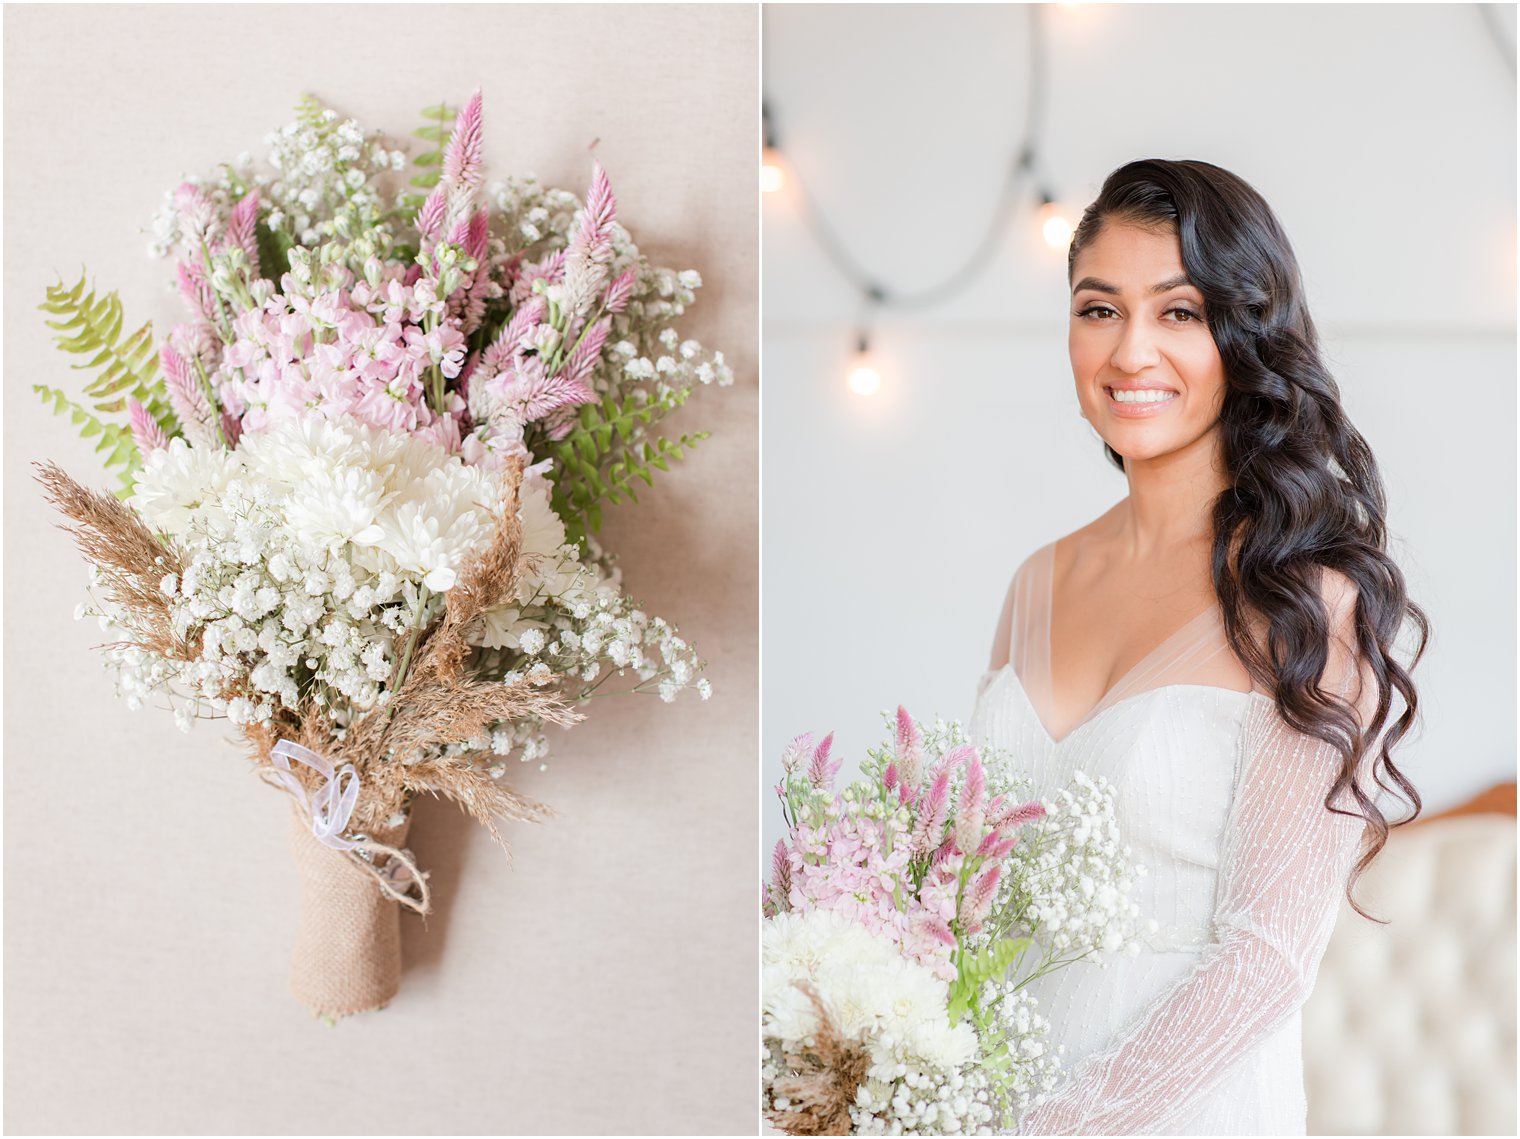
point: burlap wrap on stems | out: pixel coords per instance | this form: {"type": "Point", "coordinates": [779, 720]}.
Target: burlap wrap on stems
{"type": "Point", "coordinates": [347, 955]}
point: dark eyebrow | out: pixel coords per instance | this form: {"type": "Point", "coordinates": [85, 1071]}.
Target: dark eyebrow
{"type": "Point", "coordinates": [1098, 286]}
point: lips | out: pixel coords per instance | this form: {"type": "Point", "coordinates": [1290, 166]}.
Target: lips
{"type": "Point", "coordinates": [1139, 400]}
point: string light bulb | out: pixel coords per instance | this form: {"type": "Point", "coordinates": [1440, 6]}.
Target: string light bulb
{"type": "Point", "coordinates": [863, 379]}
{"type": "Point", "coordinates": [772, 171]}
{"type": "Point", "coordinates": [1055, 226]}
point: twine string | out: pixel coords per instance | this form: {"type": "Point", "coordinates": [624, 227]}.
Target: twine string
{"type": "Point", "coordinates": [330, 807]}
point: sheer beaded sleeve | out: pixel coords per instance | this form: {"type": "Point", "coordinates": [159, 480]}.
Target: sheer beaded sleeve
{"type": "Point", "coordinates": [1283, 868]}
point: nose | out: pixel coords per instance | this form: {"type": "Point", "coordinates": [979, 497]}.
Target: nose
{"type": "Point", "coordinates": [1136, 348]}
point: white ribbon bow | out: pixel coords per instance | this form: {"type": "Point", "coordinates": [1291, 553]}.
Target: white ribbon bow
{"type": "Point", "coordinates": [331, 805]}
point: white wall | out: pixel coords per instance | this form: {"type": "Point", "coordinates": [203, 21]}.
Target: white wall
{"type": "Point", "coordinates": [1384, 138]}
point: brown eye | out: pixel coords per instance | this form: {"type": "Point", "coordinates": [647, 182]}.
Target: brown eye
{"type": "Point", "coordinates": [1189, 313]}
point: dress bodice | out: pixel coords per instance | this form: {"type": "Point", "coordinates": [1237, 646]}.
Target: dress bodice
{"type": "Point", "coordinates": [1223, 806]}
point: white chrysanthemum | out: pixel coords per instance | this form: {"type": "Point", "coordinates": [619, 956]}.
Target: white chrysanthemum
{"type": "Point", "coordinates": [437, 531]}
{"type": "Point", "coordinates": [310, 447]}
{"type": "Point", "coordinates": [178, 481]}
{"type": "Point", "coordinates": [340, 508]}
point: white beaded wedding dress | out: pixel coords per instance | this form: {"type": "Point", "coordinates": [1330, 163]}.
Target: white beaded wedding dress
{"type": "Point", "coordinates": [1245, 868]}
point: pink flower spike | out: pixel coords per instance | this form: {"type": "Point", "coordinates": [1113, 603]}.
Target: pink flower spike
{"type": "Point", "coordinates": [980, 893]}
{"type": "Point", "coordinates": [461, 158]}
{"type": "Point", "coordinates": [889, 777]}
{"type": "Point", "coordinates": [953, 759]}
{"type": "Point", "coordinates": [620, 291]}
{"type": "Point", "coordinates": [478, 236]}
{"type": "Point", "coordinates": [504, 347]}
{"type": "Point", "coordinates": [931, 819]}
{"type": "Point", "coordinates": [1012, 816]}
{"type": "Point", "coordinates": [996, 846]}
{"type": "Point", "coordinates": [910, 747]}
{"type": "Point", "coordinates": [194, 289]}
{"type": "Point", "coordinates": [240, 229]}
{"type": "Point", "coordinates": [459, 234]}
{"type": "Point", "coordinates": [907, 794]}
{"type": "Point", "coordinates": [430, 216]}
{"type": "Point", "coordinates": [186, 396]}
{"type": "Point", "coordinates": [935, 928]}
{"type": "Point", "coordinates": [796, 752]}
{"type": "Point", "coordinates": [821, 771]}
{"type": "Point", "coordinates": [587, 352]}
{"type": "Point", "coordinates": [146, 432]}
{"type": "Point", "coordinates": [601, 211]}
{"type": "Point", "coordinates": [781, 870]}
{"type": "Point", "coordinates": [974, 789]}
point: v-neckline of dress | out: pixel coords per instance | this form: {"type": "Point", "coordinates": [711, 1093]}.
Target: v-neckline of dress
{"type": "Point", "coordinates": [1106, 700]}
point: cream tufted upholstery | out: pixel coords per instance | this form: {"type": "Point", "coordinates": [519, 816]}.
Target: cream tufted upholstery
{"type": "Point", "coordinates": [1411, 1028]}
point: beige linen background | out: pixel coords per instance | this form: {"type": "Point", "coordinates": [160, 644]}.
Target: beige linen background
{"type": "Point", "coordinates": [604, 980]}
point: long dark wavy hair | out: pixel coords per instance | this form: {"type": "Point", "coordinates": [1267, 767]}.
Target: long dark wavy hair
{"type": "Point", "coordinates": [1304, 493]}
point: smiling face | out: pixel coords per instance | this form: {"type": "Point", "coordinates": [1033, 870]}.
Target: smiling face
{"type": "Point", "coordinates": [1148, 374]}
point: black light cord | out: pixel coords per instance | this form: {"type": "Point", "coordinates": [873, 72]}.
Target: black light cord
{"type": "Point", "coordinates": [1015, 185]}
{"type": "Point", "coordinates": [1496, 32]}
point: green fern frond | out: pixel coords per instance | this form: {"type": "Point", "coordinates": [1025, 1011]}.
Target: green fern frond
{"type": "Point", "coordinates": [603, 458]}
{"type": "Point", "coordinates": [90, 324]}
{"type": "Point", "coordinates": [436, 129]}
{"type": "Point", "coordinates": [116, 442]}
{"type": "Point", "coordinates": [990, 963]}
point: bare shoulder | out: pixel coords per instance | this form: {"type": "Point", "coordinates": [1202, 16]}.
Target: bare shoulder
{"type": "Point", "coordinates": [1070, 548]}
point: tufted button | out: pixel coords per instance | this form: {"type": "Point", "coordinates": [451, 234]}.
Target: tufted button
{"type": "Point", "coordinates": [1411, 1027]}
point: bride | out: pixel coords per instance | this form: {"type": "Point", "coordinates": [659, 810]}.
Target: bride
{"type": "Point", "coordinates": [1219, 646]}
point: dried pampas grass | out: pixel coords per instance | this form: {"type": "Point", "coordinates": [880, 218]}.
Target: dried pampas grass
{"type": "Point", "coordinates": [397, 749]}
{"type": "Point", "coordinates": [823, 1080]}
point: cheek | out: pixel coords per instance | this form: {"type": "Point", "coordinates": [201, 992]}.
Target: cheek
{"type": "Point", "coordinates": [1087, 352]}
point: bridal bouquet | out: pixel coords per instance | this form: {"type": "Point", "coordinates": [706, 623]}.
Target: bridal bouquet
{"type": "Point", "coordinates": [360, 488]}
{"type": "Point", "coordinates": [904, 917]}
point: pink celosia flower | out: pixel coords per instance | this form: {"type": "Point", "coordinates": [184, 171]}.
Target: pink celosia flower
{"type": "Point", "coordinates": [186, 396]}
{"type": "Point", "coordinates": [797, 752]}
{"type": "Point", "coordinates": [587, 352]}
{"type": "Point", "coordinates": [620, 291]}
{"type": "Point", "coordinates": [821, 771]}
{"type": "Point", "coordinates": [146, 432]}
{"type": "Point", "coordinates": [970, 809]}
{"type": "Point", "coordinates": [462, 156]}
{"type": "Point", "coordinates": [910, 748]}
{"type": "Point", "coordinates": [979, 896]}
{"type": "Point", "coordinates": [932, 815]}
{"type": "Point", "coordinates": [240, 229]}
